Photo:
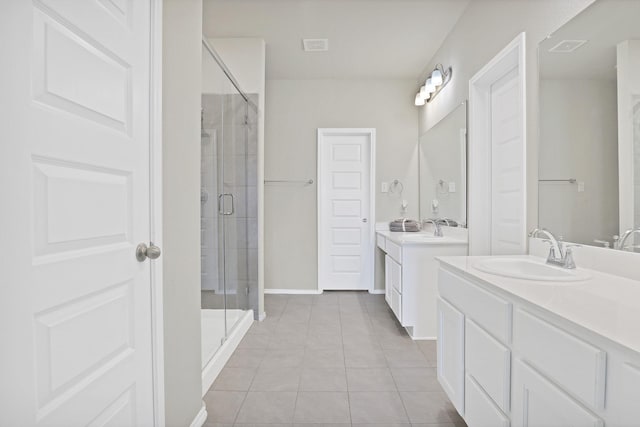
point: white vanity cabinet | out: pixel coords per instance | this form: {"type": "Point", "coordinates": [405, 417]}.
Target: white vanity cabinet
{"type": "Point", "coordinates": [411, 276]}
{"type": "Point", "coordinates": [506, 362]}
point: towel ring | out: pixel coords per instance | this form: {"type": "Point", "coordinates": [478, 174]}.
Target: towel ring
{"type": "Point", "coordinates": [394, 185]}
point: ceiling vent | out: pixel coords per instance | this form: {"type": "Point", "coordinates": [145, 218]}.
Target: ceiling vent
{"type": "Point", "coordinates": [567, 46]}
{"type": "Point", "coordinates": [315, 45]}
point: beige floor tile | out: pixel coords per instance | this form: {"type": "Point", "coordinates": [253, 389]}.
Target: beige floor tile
{"type": "Point", "coordinates": [223, 406]}
{"type": "Point", "coordinates": [323, 379]}
{"type": "Point", "coordinates": [246, 358]}
{"type": "Point", "coordinates": [322, 407]}
{"type": "Point", "coordinates": [370, 379]}
{"type": "Point", "coordinates": [377, 407]}
{"type": "Point", "coordinates": [328, 357]}
{"type": "Point", "coordinates": [272, 378]}
{"type": "Point", "coordinates": [416, 379]}
{"type": "Point", "coordinates": [428, 407]}
{"type": "Point", "coordinates": [291, 358]}
{"type": "Point", "coordinates": [234, 379]}
{"type": "Point", "coordinates": [267, 407]}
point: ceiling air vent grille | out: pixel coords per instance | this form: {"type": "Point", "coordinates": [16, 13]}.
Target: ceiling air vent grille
{"type": "Point", "coordinates": [567, 46]}
{"type": "Point", "coordinates": [315, 45]}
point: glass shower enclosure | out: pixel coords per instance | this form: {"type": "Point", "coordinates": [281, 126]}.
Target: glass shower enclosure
{"type": "Point", "coordinates": [229, 283]}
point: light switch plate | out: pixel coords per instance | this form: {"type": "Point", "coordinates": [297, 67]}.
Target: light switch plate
{"type": "Point", "coordinates": [384, 188]}
{"type": "Point", "coordinates": [452, 187]}
{"type": "Point", "coordinates": [580, 186]}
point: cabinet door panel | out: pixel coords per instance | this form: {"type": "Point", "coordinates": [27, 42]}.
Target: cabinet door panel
{"type": "Point", "coordinates": [480, 409]}
{"type": "Point", "coordinates": [573, 363]}
{"type": "Point", "coordinates": [539, 403]}
{"type": "Point", "coordinates": [451, 353]}
{"type": "Point", "coordinates": [489, 363]}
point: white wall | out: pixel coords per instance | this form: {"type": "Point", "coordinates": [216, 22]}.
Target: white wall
{"type": "Point", "coordinates": [628, 61]}
{"type": "Point", "coordinates": [481, 32]}
{"type": "Point", "coordinates": [246, 60]}
{"type": "Point", "coordinates": [181, 80]}
{"type": "Point", "coordinates": [579, 139]}
{"type": "Point", "coordinates": [294, 111]}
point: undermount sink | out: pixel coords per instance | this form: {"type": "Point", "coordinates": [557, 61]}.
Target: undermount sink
{"type": "Point", "coordinates": [529, 269]}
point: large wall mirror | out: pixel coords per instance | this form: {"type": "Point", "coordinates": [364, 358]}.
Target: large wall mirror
{"type": "Point", "coordinates": [443, 169]}
{"type": "Point", "coordinates": [589, 170]}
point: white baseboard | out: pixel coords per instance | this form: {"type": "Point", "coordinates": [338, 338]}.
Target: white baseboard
{"type": "Point", "coordinates": [424, 338]}
{"type": "Point", "coordinates": [212, 369]}
{"type": "Point", "coordinates": [200, 418]}
{"type": "Point", "coordinates": [262, 316]}
{"type": "Point", "coordinates": [292, 291]}
{"type": "Point", "coordinates": [377, 292]}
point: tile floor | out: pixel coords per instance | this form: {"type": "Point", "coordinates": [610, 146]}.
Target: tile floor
{"type": "Point", "coordinates": [336, 359]}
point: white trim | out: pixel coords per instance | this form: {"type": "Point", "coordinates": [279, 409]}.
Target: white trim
{"type": "Point", "coordinates": [377, 291]}
{"type": "Point", "coordinates": [213, 367]}
{"type": "Point", "coordinates": [370, 260]}
{"type": "Point", "coordinates": [423, 338]}
{"type": "Point", "coordinates": [479, 172]}
{"type": "Point", "coordinates": [155, 205]}
{"type": "Point", "coordinates": [292, 292]}
{"type": "Point", "coordinates": [201, 417]}
{"type": "Point", "coordinates": [262, 316]}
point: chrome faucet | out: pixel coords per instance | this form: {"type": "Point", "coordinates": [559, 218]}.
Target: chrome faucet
{"type": "Point", "coordinates": [437, 231]}
{"type": "Point", "coordinates": [621, 242]}
{"type": "Point", "coordinates": [559, 253]}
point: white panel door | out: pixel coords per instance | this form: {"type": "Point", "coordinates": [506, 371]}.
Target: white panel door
{"type": "Point", "coordinates": [75, 319]}
{"type": "Point", "coordinates": [345, 232]}
{"type": "Point", "coordinates": [507, 163]}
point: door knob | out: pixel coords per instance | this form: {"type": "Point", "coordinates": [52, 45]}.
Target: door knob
{"type": "Point", "coordinates": [364, 219]}
{"type": "Point", "coordinates": [143, 251]}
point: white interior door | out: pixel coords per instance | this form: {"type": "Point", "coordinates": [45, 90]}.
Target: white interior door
{"type": "Point", "coordinates": [75, 320]}
{"type": "Point", "coordinates": [345, 202]}
{"type": "Point", "coordinates": [497, 154]}
{"type": "Point", "coordinates": [507, 177]}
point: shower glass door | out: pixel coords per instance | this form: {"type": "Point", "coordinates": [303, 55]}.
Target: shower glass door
{"type": "Point", "coordinates": [228, 219]}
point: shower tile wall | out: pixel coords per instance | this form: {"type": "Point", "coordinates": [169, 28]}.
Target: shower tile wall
{"type": "Point", "coordinates": [240, 178]}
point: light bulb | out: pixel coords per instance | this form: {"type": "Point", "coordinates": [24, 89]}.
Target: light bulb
{"type": "Point", "coordinates": [419, 100]}
{"type": "Point", "coordinates": [436, 77]}
{"type": "Point", "coordinates": [423, 92]}
{"type": "Point", "coordinates": [430, 86]}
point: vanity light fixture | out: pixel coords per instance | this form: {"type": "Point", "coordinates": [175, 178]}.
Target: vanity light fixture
{"type": "Point", "coordinates": [434, 83]}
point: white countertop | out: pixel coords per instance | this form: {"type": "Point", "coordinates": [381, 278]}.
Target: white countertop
{"type": "Point", "coordinates": [421, 238]}
{"type": "Point", "coordinates": [605, 304]}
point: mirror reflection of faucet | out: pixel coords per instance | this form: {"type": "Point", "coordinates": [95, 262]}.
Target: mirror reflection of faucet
{"type": "Point", "coordinates": [621, 242]}
{"type": "Point", "coordinates": [437, 228]}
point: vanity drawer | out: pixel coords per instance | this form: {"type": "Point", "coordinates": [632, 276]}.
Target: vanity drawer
{"type": "Point", "coordinates": [489, 363]}
{"type": "Point", "coordinates": [395, 274]}
{"type": "Point", "coordinates": [381, 242]}
{"type": "Point", "coordinates": [575, 365]}
{"type": "Point", "coordinates": [394, 250]}
{"type": "Point", "coordinates": [486, 309]}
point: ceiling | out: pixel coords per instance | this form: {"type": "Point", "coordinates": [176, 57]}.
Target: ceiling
{"type": "Point", "coordinates": [604, 24]}
{"type": "Point", "coordinates": [367, 38]}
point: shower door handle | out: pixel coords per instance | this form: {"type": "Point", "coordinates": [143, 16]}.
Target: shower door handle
{"type": "Point", "coordinates": [221, 204]}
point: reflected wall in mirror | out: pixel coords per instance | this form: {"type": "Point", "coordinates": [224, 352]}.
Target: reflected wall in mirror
{"type": "Point", "coordinates": [589, 170]}
{"type": "Point", "coordinates": [443, 169]}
